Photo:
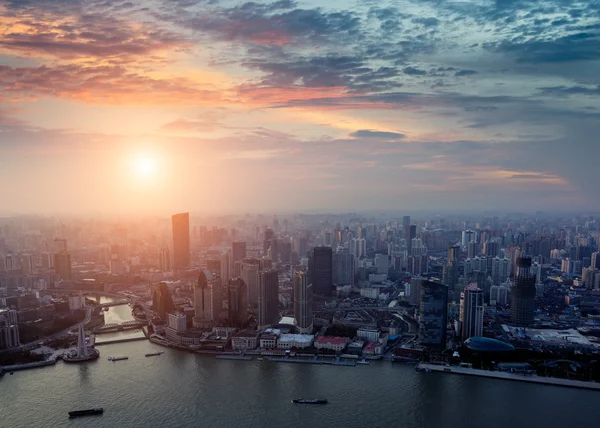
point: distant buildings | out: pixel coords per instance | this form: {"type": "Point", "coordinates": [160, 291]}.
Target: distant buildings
{"type": "Point", "coordinates": [238, 252]}
{"type": "Point", "coordinates": [343, 267]}
{"type": "Point", "coordinates": [320, 269]}
{"type": "Point", "coordinates": [181, 240]}
{"type": "Point", "coordinates": [226, 267]}
{"type": "Point", "coordinates": [523, 292]}
{"type": "Point", "coordinates": [238, 303]}
{"type": "Point", "coordinates": [268, 297]}
{"type": "Point", "coordinates": [164, 260]}
{"type": "Point", "coordinates": [62, 265]}
{"type": "Point", "coordinates": [302, 302]}
{"type": "Point", "coordinates": [471, 312]}
{"type": "Point", "coordinates": [249, 273]}
{"type": "Point", "coordinates": [9, 330]}
{"type": "Point", "coordinates": [433, 313]}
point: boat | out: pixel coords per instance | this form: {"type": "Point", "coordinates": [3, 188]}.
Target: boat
{"type": "Point", "coordinates": [260, 358]}
{"type": "Point", "coordinates": [87, 412]}
{"type": "Point", "coordinates": [117, 358]}
{"type": "Point", "coordinates": [309, 401]}
{"type": "Point", "coordinates": [154, 354]}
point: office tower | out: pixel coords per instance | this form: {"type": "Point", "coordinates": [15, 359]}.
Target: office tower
{"type": "Point", "coordinates": [471, 312]}
{"type": "Point", "coordinates": [60, 245]}
{"type": "Point", "coordinates": [268, 297]}
{"type": "Point", "coordinates": [417, 265]}
{"type": "Point", "coordinates": [411, 233]}
{"type": "Point", "coordinates": [226, 267]}
{"type": "Point", "coordinates": [249, 273]}
{"type": "Point", "coordinates": [433, 313]}
{"type": "Point", "coordinates": [415, 291]}
{"type": "Point", "coordinates": [62, 265]}
{"type": "Point", "coordinates": [468, 236]}
{"type": "Point", "coordinates": [491, 248]}
{"type": "Point", "coordinates": [300, 246]}
{"type": "Point", "coordinates": [302, 302]}
{"type": "Point", "coordinates": [472, 249]}
{"type": "Point", "coordinates": [320, 269]}
{"type": "Point", "coordinates": [207, 303]}
{"type": "Point", "coordinates": [238, 303]}
{"type": "Point", "coordinates": [181, 240]}
{"type": "Point", "coordinates": [343, 267]}
{"type": "Point", "coordinates": [238, 251]}
{"type": "Point", "coordinates": [162, 303]}
{"type": "Point", "coordinates": [453, 253]}
{"type": "Point", "coordinates": [522, 306]}
{"type": "Point", "coordinates": [9, 329]}
{"type": "Point", "coordinates": [177, 322]}
{"type": "Point", "coordinates": [285, 252]}
{"type": "Point", "coordinates": [500, 270]}
{"type": "Point", "coordinates": [359, 248]}
{"type": "Point", "coordinates": [164, 260]}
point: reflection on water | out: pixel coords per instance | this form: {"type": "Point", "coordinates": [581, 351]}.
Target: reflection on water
{"type": "Point", "coordinates": [118, 314]}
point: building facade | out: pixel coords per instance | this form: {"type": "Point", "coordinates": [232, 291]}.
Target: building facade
{"type": "Point", "coordinates": [433, 313]}
{"type": "Point", "coordinates": [471, 312]}
{"type": "Point", "coordinates": [522, 307]}
{"type": "Point", "coordinates": [181, 240]}
{"type": "Point", "coordinates": [302, 302]}
{"type": "Point", "coordinates": [268, 297]}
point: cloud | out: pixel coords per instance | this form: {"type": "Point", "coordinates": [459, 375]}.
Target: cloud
{"type": "Point", "coordinates": [461, 73]}
{"type": "Point", "coordinates": [377, 135]}
{"type": "Point", "coordinates": [566, 91]}
{"type": "Point", "coordinates": [413, 71]}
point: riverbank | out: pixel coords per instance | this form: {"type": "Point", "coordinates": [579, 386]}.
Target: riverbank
{"type": "Point", "coordinates": [511, 376]}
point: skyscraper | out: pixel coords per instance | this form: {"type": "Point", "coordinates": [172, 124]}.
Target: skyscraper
{"type": "Point", "coordinates": [226, 267]}
{"type": "Point", "coordinates": [181, 240]}
{"type": "Point", "coordinates": [320, 269]}
{"type": "Point", "coordinates": [522, 306]}
{"type": "Point", "coordinates": [62, 265]}
{"type": "Point", "coordinates": [9, 330]}
{"type": "Point", "coordinates": [162, 302]}
{"type": "Point", "coordinates": [433, 313]}
{"type": "Point", "coordinates": [238, 251]}
{"type": "Point", "coordinates": [207, 302]}
{"type": "Point", "coordinates": [249, 273]}
{"type": "Point", "coordinates": [471, 312]}
{"type": "Point", "coordinates": [238, 303]}
{"type": "Point", "coordinates": [164, 260]}
{"type": "Point", "coordinates": [268, 297]}
{"type": "Point", "coordinates": [302, 302]}
{"type": "Point", "coordinates": [343, 267]}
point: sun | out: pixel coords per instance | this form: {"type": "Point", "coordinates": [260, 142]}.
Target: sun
{"type": "Point", "coordinates": [144, 166]}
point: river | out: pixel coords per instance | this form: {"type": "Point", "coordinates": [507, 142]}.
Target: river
{"type": "Point", "coordinates": [180, 389]}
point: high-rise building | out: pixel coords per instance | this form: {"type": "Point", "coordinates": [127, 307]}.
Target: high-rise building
{"type": "Point", "coordinates": [268, 297]}
{"type": "Point", "coordinates": [472, 249]}
{"type": "Point", "coordinates": [164, 260]}
{"type": "Point", "coordinates": [359, 248]}
{"type": "Point", "coordinates": [523, 292]}
{"type": "Point", "coordinates": [181, 240]}
{"type": "Point", "coordinates": [249, 273]}
{"type": "Point", "coordinates": [320, 269]}
{"type": "Point", "coordinates": [491, 248]}
{"type": "Point", "coordinates": [207, 300]}
{"type": "Point", "coordinates": [410, 234]}
{"type": "Point", "coordinates": [498, 295]}
{"type": "Point", "coordinates": [302, 302]}
{"type": "Point", "coordinates": [226, 267]}
{"type": "Point", "coordinates": [471, 312]}
{"type": "Point", "coordinates": [9, 329]}
{"type": "Point", "coordinates": [238, 251]}
{"type": "Point", "coordinates": [595, 260]}
{"type": "Point", "coordinates": [238, 303]}
{"type": "Point", "coordinates": [433, 313]}
{"type": "Point", "coordinates": [453, 253]}
{"type": "Point", "coordinates": [468, 236]}
{"type": "Point", "coordinates": [343, 267]}
{"type": "Point", "coordinates": [500, 270]}
{"type": "Point", "coordinates": [162, 302]}
{"type": "Point", "coordinates": [62, 265]}
{"type": "Point", "coordinates": [178, 322]}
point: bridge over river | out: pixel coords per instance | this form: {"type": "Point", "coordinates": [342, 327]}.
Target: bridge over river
{"type": "Point", "coordinates": [126, 325]}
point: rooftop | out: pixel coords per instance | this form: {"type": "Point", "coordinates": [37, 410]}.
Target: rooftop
{"type": "Point", "coordinates": [335, 340]}
{"type": "Point", "coordinates": [486, 344]}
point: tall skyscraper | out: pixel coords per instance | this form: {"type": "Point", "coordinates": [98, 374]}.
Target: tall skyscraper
{"type": "Point", "coordinates": [181, 240]}
{"type": "Point", "coordinates": [500, 270]}
{"type": "Point", "coordinates": [9, 330]}
{"type": "Point", "coordinates": [522, 306]}
{"type": "Point", "coordinates": [472, 249]}
{"type": "Point", "coordinates": [453, 253]}
{"type": "Point", "coordinates": [238, 303]}
{"type": "Point", "coordinates": [62, 265]}
{"type": "Point", "coordinates": [471, 312]}
{"type": "Point", "coordinates": [162, 302]}
{"type": "Point", "coordinates": [595, 260]}
{"type": "Point", "coordinates": [302, 302]}
{"type": "Point", "coordinates": [226, 267]}
{"type": "Point", "coordinates": [238, 251]}
{"type": "Point", "coordinates": [207, 300]}
{"type": "Point", "coordinates": [343, 267]}
{"type": "Point", "coordinates": [320, 269]}
{"type": "Point", "coordinates": [249, 273]}
{"type": "Point", "coordinates": [433, 313]}
{"type": "Point", "coordinates": [164, 260]}
{"type": "Point", "coordinates": [268, 297]}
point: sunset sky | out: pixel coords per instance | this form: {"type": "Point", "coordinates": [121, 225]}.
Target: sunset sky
{"type": "Point", "coordinates": [218, 106]}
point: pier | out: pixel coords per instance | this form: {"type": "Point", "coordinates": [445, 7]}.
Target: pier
{"type": "Point", "coordinates": [511, 376]}
{"type": "Point", "coordinates": [314, 360]}
{"type": "Point", "coordinates": [129, 339]}
{"type": "Point", "coordinates": [234, 357]}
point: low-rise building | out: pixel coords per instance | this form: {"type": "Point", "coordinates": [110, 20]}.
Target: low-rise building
{"type": "Point", "coordinates": [337, 344]}
{"type": "Point", "coordinates": [268, 340]}
{"type": "Point", "coordinates": [369, 335]}
{"type": "Point", "coordinates": [244, 340]}
{"type": "Point", "coordinates": [289, 341]}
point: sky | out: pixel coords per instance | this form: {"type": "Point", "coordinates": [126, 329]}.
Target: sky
{"type": "Point", "coordinates": [230, 106]}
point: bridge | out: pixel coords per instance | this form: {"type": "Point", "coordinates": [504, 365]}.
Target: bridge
{"type": "Point", "coordinates": [126, 325]}
{"type": "Point", "coordinates": [114, 303]}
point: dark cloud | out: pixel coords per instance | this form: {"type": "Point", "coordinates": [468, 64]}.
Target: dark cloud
{"type": "Point", "coordinates": [565, 91]}
{"type": "Point", "coordinates": [413, 71]}
{"type": "Point", "coordinates": [377, 135]}
{"type": "Point", "coordinates": [465, 73]}
{"type": "Point", "coordinates": [427, 22]}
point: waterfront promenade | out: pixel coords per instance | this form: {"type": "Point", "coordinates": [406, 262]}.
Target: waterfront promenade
{"type": "Point", "coordinates": [511, 376]}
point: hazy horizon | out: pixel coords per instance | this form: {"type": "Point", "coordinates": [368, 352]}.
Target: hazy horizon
{"type": "Point", "coordinates": [291, 105]}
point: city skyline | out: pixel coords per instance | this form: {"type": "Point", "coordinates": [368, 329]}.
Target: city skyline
{"type": "Point", "coordinates": [196, 106]}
